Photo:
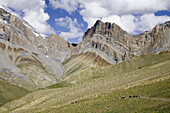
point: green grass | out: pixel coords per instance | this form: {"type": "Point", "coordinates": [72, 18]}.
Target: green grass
{"type": "Point", "coordinates": [97, 87]}
{"type": "Point", "coordinates": [137, 65]}
{"type": "Point", "coordinates": [74, 70]}
{"type": "Point", "coordinates": [60, 85]}
{"type": "Point", "coordinates": [9, 92]}
{"type": "Point", "coordinates": [108, 103]}
{"type": "Point", "coordinates": [140, 62]}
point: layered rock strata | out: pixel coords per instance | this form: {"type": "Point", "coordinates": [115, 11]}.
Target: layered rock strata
{"type": "Point", "coordinates": [27, 58]}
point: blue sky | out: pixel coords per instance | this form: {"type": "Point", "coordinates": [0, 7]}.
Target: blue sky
{"type": "Point", "coordinates": [71, 18]}
{"type": "Point", "coordinates": [61, 13]}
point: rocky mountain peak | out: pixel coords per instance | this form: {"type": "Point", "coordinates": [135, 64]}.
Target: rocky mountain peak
{"type": "Point", "coordinates": [109, 41]}
{"type": "Point", "coordinates": [110, 31]}
{"type": "Point", "coordinates": [27, 58]}
{"type": "Point", "coordinates": [155, 40]}
{"type": "Point", "coordinates": [98, 23]}
{"type": "Point", "coordinates": [59, 41]}
{"type": "Point", "coordinates": [32, 60]}
{"type": "Point", "coordinates": [114, 44]}
{"type": "Point", "coordinates": [167, 24]}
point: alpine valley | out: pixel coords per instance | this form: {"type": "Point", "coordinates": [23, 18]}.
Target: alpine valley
{"type": "Point", "coordinates": [102, 73]}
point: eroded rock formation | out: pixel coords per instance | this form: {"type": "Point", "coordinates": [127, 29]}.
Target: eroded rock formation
{"type": "Point", "coordinates": [31, 60]}
{"type": "Point", "coordinates": [115, 45]}
{"type": "Point", "coordinates": [27, 58]}
{"type": "Point", "coordinates": [109, 41]}
{"type": "Point", "coordinates": [155, 40]}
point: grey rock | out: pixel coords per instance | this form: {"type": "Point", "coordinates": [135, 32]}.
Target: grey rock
{"type": "Point", "coordinates": [31, 60]}
{"type": "Point", "coordinates": [24, 55]}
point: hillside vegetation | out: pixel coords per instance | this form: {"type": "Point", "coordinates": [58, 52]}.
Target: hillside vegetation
{"type": "Point", "coordinates": [110, 103]}
{"type": "Point", "coordinates": [148, 65]}
{"type": "Point", "coordinates": [78, 62]}
{"type": "Point", "coordinates": [95, 89]}
{"type": "Point", "coordinates": [10, 92]}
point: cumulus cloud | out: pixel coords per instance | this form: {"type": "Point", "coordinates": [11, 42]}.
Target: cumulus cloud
{"type": "Point", "coordinates": [72, 25]}
{"type": "Point", "coordinates": [33, 13]}
{"type": "Point", "coordinates": [3, 2]}
{"type": "Point", "coordinates": [121, 7]}
{"type": "Point", "coordinates": [94, 9]}
{"type": "Point", "coordinates": [136, 24]}
{"type": "Point", "coordinates": [148, 21]}
{"type": "Point", "coordinates": [120, 12]}
{"type": "Point", "coordinates": [25, 4]}
{"type": "Point", "coordinates": [68, 5]}
{"type": "Point", "coordinates": [38, 19]}
{"type": "Point", "coordinates": [110, 7]}
{"type": "Point", "coordinates": [126, 22]}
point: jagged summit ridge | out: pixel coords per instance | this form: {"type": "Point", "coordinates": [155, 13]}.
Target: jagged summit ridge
{"type": "Point", "coordinates": [113, 45]}
{"type": "Point", "coordinates": [155, 40]}
{"type": "Point", "coordinates": [108, 40]}
{"type": "Point", "coordinates": [23, 51]}
{"type": "Point", "coordinates": [102, 34]}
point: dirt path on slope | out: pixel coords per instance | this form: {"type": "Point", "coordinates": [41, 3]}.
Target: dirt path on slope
{"type": "Point", "coordinates": [162, 99]}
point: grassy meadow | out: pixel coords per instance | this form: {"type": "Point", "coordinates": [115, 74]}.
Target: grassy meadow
{"type": "Point", "coordinates": [95, 89]}
{"type": "Point", "coordinates": [9, 92]}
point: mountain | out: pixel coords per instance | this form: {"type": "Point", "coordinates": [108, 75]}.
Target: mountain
{"type": "Point", "coordinates": [31, 60]}
{"type": "Point", "coordinates": [27, 58]}
{"type": "Point", "coordinates": [155, 40]}
{"type": "Point", "coordinates": [109, 44]}
{"type": "Point", "coordinates": [106, 72]}
{"type": "Point", "coordinates": [109, 41]}
{"type": "Point", "coordinates": [100, 89]}
{"type": "Point", "coordinates": [104, 44]}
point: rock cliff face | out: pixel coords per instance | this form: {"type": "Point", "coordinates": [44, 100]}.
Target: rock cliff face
{"type": "Point", "coordinates": [56, 47]}
{"type": "Point", "coordinates": [114, 45]}
{"type": "Point", "coordinates": [31, 60]}
{"type": "Point", "coordinates": [106, 41]}
{"type": "Point", "coordinates": [154, 41]}
{"type": "Point", "coordinates": [109, 41]}
{"type": "Point", "coordinates": [27, 58]}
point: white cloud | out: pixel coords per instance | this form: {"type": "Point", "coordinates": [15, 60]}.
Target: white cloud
{"type": "Point", "coordinates": [90, 21]}
{"type": "Point", "coordinates": [25, 4]}
{"type": "Point", "coordinates": [118, 11]}
{"type": "Point", "coordinates": [126, 22]}
{"type": "Point", "coordinates": [89, 10]}
{"type": "Point", "coordinates": [68, 5]}
{"type": "Point", "coordinates": [3, 2]}
{"type": "Point", "coordinates": [109, 7]}
{"type": "Point", "coordinates": [38, 19]}
{"type": "Point", "coordinates": [148, 21]}
{"type": "Point", "coordinates": [121, 7]}
{"type": "Point", "coordinates": [33, 11]}
{"type": "Point", "coordinates": [134, 25]}
{"type": "Point", "coordinates": [73, 26]}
